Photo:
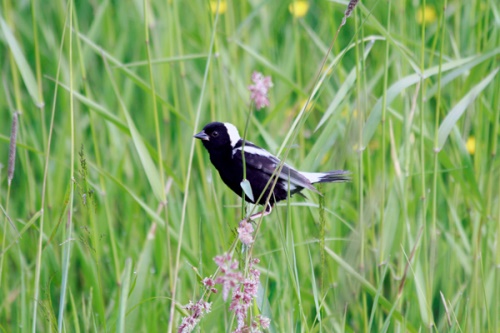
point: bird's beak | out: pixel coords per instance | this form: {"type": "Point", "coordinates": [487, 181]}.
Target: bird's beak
{"type": "Point", "coordinates": [202, 136]}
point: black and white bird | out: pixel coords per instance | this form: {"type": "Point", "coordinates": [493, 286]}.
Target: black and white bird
{"type": "Point", "coordinates": [225, 147]}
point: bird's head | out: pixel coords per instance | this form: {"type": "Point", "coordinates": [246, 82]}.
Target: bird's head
{"type": "Point", "coordinates": [218, 136]}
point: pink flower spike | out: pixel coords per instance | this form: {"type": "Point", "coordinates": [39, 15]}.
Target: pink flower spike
{"type": "Point", "coordinates": [197, 311]}
{"type": "Point", "coordinates": [264, 322]}
{"type": "Point", "coordinates": [260, 89]}
{"type": "Point", "coordinates": [245, 231]}
{"type": "Point", "coordinates": [230, 279]}
{"type": "Point", "coordinates": [226, 263]}
{"type": "Point", "coordinates": [243, 297]}
{"type": "Point", "coordinates": [209, 283]}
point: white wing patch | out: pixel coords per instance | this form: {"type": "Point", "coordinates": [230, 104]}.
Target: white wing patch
{"type": "Point", "coordinates": [233, 133]}
{"type": "Point", "coordinates": [253, 150]}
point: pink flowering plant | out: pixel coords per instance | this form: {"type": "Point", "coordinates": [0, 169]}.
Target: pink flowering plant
{"type": "Point", "coordinates": [243, 289]}
{"type": "Point", "coordinates": [259, 90]}
{"type": "Point", "coordinates": [196, 312]}
{"type": "Point", "coordinates": [241, 285]}
{"type": "Point", "coordinates": [245, 231]}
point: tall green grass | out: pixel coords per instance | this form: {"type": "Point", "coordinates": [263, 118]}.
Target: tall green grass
{"type": "Point", "coordinates": [114, 213]}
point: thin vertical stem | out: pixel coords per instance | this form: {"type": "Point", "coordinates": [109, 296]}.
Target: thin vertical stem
{"type": "Point", "coordinates": [13, 67]}
{"type": "Point", "coordinates": [153, 93]}
{"type": "Point", "coordinates": [243, 158]}
{"type": "Point", "coordinates": [436, 128]}
{"type": "Point", "coordinates": [44, 188]}
{"type": "Point", "coordinates": [360, 163]}
{"type": "Point", "coordinates": [69, 226]}
{"type": "Point", "coordinates": [38, 69]}
{"type": "Point", "coordinates": [426, 240]}
{"type": "Point", "coordinates": [384, 140]}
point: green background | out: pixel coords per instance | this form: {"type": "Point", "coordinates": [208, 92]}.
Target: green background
{"type": "Point", "coordinates": [118, 209]}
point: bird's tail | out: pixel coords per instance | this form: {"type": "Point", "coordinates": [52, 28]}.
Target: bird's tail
{"type": "Point", "coordinates": [335, 176]}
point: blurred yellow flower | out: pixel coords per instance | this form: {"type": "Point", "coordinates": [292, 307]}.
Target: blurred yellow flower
{"type": "Point", "coordinates": [471, 145]}
{"type": "Point", "coordinates": [299, 8]}
{"type": "Point", "coordinates": [222, 7]}
{"type": "Point", "coordinates": [426, 14]}
{"type": "Point", "coordinates": [302, 102]}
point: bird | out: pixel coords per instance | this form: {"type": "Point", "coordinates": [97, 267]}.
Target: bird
{"type": "Point", "coordinates": [229, 153]}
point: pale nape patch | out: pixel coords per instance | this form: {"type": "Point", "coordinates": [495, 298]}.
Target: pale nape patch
{"type": "Point", "coordinates": [234, 135]}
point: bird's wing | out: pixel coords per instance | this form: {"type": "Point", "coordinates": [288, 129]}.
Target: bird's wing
{"type": "Point", "coordinates": [261, 159]}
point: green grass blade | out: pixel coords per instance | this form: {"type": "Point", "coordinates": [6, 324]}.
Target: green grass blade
{"type": "Point", "coordinates": [22, 63]}
{"type": "Point", "coordinates": [395, 90]}
{"type": "Point", "coordinates": [124, 293]}
{"type": "Point", "coordinates": [99, 109]}
{"type": "Point", "coordinates": [457, 111]}
{"type": "Point", "coordinates": [28, 225]}
{"type": "Point", "coordinates": [147, 162]}
{"type": "Point", "coordinates": [384, 302]}
{"type": "Point", "coordinates": [344, 89]}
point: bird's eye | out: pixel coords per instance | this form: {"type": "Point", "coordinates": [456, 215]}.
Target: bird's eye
{"type": "Point", "coordinates": [215, 134]}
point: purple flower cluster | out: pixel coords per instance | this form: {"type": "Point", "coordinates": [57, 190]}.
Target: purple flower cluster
{"type": "Point", "coordinates": [245, 231]}
{"type": "Point", "coordinates": [209, 283]}
{"type": "Point", "coordinates": [260, 89]}
{"type": "Point", "coordinates": [230, 278]}
{"type": "Point", "coordinates": [196, 310]}
{"type": "Point", "coordinates": [244, 291]}
{"type": "Point", "coordinates": [243, 297]}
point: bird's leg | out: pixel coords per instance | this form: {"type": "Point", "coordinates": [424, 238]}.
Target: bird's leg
{"type": "Point", "coordinates": [265, 212]}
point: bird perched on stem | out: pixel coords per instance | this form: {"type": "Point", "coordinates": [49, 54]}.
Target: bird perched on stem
{"type": "Point", "coordinates": [225, 146]}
